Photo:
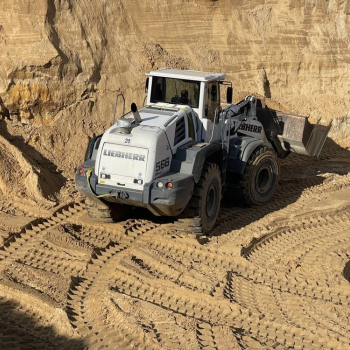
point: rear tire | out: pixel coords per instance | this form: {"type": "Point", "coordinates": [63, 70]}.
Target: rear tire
{"type": "Point", "coordinates": [204, 205]}
{"type": "Point", "coordinates": [91, 146]}
{"type": "Point", "coordinates": [103, 212]}
{"type": "Point", "coordinates": [260, 178]}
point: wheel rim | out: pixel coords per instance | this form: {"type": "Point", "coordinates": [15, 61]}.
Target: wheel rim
{"type": "Point", "coordinates": [211, 201]}
{"type": "Point", "coordinates": [264, 179]}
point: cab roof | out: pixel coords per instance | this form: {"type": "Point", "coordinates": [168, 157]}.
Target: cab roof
{"type": "Point", "coordinates": [186, 74]}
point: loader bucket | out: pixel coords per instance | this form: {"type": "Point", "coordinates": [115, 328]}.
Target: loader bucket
{"type": "Point", "coordinates": [298, 135]}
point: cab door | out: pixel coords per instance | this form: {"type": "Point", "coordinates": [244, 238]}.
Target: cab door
{"type": "Point", "coordinates": [211, 104]}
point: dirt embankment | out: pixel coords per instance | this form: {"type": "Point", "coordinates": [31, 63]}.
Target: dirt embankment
{"type": "Point", "coordinates": [62, 63]}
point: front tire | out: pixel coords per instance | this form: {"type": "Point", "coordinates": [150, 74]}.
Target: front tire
{"type": "Point", "coordinates": [260, 178]}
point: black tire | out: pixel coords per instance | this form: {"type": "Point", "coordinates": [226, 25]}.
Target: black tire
{"type": "Point", "coordinates": [260, 178]}
{"type": "Point", "coordinates": [204, 205]}
{"type": "Point", "coordinates": [103, 212]}
{"type": "Point", "coordinates": [91, 146]}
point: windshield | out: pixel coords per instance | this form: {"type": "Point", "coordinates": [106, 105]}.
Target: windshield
{"type": "Point", "coordinates": [177, 91]}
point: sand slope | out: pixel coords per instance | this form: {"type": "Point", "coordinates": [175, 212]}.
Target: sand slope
{"type": "Point", "coordinates": [271, 277]}
{"type": "Point", "coordinates": [19, 178]}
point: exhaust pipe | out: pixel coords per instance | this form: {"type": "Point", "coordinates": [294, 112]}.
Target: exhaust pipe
{"type": "Point", "coordinates": [136, 113]}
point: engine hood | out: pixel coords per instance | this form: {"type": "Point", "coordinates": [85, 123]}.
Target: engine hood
{"type": "Point", "coordinates": [161, 115]}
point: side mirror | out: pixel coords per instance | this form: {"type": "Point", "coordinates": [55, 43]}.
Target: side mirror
{"type": "Point", "coordinates": [146, 86]}
{"type": "Point", "coordinates": [229, 93]}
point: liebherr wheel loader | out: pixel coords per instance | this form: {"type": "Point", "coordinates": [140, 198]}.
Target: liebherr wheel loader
{"type": "Point", "coordinates": [180, 152]}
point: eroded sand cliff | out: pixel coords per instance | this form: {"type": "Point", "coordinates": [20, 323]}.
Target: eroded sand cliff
{"type": "Point", "coordinates": [271, 277]}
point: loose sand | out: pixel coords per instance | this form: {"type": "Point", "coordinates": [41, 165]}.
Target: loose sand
{"type": "Point", "coordinates": [270, 277]}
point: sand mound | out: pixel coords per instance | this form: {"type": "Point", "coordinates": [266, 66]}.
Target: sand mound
{"type": "Point", "coordinates": [19, 178]}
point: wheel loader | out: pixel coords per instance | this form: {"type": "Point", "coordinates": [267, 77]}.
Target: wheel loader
{"type": "Point", "coordinates": [183, 149]}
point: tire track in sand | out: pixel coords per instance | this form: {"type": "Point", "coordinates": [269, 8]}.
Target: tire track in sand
{"type": "Point", "coordinates": [58, 245]}
{"type": "Point", "coordinates": [308, 233]}
{"type": "Point", "coordinates": [16, 245]}
{"type": "Point", "coordinates": [218, 312]}
{"type": "Point", "coordinates": [315, 303]}
{"type": "Point", "coordinates": [92, 286]}
{"type": "Point", "coordinates": [172, 297]}
{"type": "Point", "coordinates": [294, 285]}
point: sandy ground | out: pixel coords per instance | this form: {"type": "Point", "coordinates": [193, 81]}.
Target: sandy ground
{"type": "Point", "coordinates": [271, 277]}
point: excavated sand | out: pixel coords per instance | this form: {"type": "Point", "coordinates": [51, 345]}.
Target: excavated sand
{"type": "Point", "coordinates": [271, 277]}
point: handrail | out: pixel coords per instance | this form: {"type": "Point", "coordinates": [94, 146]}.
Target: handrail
{"type": "Point", "coordinates": [223, 140]}
{"type": "Point", "coordinates": [218, 108]}
{"type": "Point", "coordinates": [224, 117]}
{"type": "Point", "coordinates": [115, 107]}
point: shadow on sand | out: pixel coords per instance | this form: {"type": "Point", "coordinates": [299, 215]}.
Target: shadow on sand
{"type": "Point", "coordinates": [20, 329]}
{"type": "Point", "coordinates": [50, 179]}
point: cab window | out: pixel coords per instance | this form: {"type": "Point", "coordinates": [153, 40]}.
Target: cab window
{"type": "Point", "coordinates": [176, 91]}
{"type": "Point", "coordinates": [158, 89]}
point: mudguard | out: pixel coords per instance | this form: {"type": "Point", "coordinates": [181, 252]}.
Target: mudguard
{"type": "Point", "coordinates": [189, 159]}
{"type": "Point", "coordinates": [241, 147]}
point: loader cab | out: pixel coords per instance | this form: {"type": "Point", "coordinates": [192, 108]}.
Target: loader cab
{"type": "Point", "coordinates": [166, 86]}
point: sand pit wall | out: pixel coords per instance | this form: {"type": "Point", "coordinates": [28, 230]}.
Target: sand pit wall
{"type": "Point", "coordinates": [63, 63]}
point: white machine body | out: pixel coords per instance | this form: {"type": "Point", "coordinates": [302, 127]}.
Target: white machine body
{"type": "Point", "coordinates": [169, 140]}
{"type": "Point", "coordinates": [129, 160]}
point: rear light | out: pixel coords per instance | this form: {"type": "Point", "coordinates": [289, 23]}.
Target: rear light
{"type": "Point", "coordinates": [160, 184]}
{"type": "Point", "coordinates": [169, 185]}
{"type": "Point", "coordinates": [81, 171]}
